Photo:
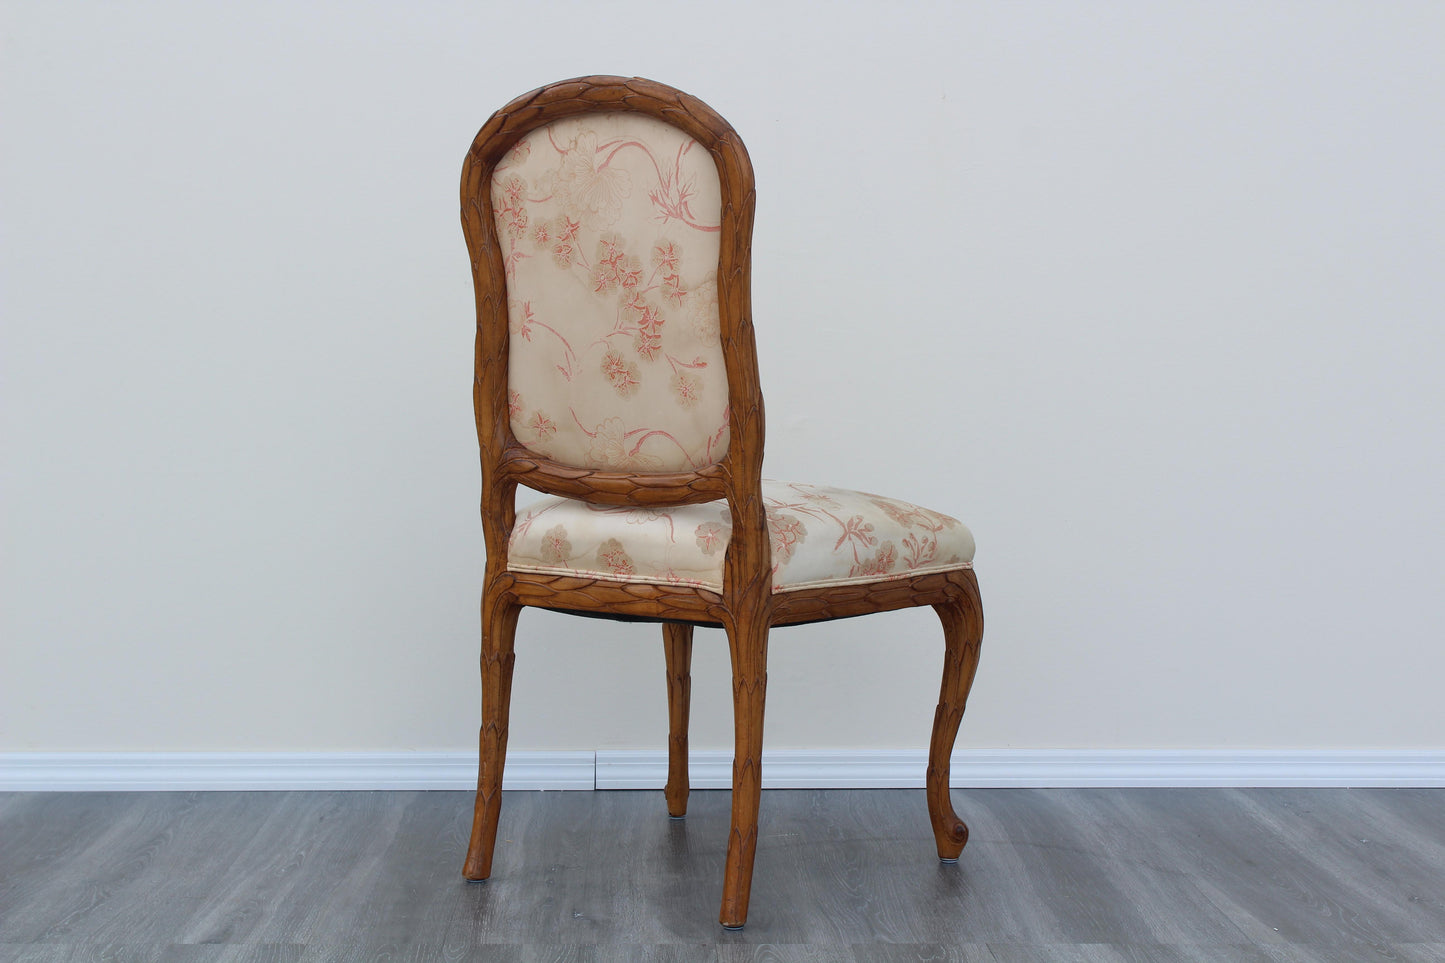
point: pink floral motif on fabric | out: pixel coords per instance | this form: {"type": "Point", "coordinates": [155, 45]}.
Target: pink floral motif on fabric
{"type": "Point", "coordinates": [609, 230]}
{"type": "Point", "coordinates": [818, 536]}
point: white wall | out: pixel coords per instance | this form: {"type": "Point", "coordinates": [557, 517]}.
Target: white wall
{"type": "Point", "coordinates": [1158, 284]}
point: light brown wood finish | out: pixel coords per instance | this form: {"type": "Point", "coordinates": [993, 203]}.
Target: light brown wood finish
{"type": "Point", "coordinates": [746, 608]}
{"type": "Point", "coordinates": [677, 646]}
{"type": "Point", "coordinates": [499, 629]}
{"type": "Point", "coordinates": [962, 617]}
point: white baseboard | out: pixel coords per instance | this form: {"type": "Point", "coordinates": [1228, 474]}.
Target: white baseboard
{"type": "Point", "coordinates": [1014, 768]}
{"type": "Point", "coordinates": [712, 769]}
{"type": "Point", "coordinates": [782, 769]}
{"type": "Point", "coordinates": [190, 771]}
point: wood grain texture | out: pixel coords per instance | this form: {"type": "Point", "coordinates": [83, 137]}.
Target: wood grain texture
{"type": "Point", "coordinates": [677, 648]}
{"type": "Point", "coordinates": [499, 628]}
{"type": "Point", "coordinates": [679, 603]}
{"type": "Point", "coordinates": [746, 607]}
{"type": "Point", "coordinates": [748, 644]}
{"type": "Point", "coordinates": [615, 488]}
{"type": "Point", "coordinates": [962, 618]}
{"type": "Point", "coordinates": [849, 601]}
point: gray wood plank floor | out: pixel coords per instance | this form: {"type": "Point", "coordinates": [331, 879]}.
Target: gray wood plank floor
{"type": "Point", "coordinates": [1063, 875]}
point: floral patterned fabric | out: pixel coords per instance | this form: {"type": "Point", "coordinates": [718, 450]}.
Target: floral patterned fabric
{"type": "Point", "coordinates": [609, 230]}
{"type": "Point", "coordinates": [820, 536]}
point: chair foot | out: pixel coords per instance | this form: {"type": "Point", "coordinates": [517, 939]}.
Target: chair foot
{"type": "Point", "coordinates": [949, 832]}
{"type": "Point", "coordinates": [678, 818]}
{"type": "Point", "coordinates": [734, 929]}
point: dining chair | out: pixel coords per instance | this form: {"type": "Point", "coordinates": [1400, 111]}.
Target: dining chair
{"type": "Point", "coordinates": [609, 223]}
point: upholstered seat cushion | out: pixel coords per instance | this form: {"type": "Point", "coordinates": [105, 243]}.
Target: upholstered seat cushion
{"type": "Point", "coordinates": [820, 537]}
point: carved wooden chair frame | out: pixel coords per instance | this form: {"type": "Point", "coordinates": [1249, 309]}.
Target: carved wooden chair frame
{"type": "Point", "coordinates": [746, 607]}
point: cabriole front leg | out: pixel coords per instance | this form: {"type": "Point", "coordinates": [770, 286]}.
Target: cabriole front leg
{"type": "Point", "coordinates": [962, 618]}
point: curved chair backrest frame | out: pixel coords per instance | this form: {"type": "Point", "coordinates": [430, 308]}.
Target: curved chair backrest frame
{"type": "Point", "coordinates": [507, 462]}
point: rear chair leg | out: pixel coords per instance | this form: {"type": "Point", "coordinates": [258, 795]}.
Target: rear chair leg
{"type": "Point", "coordinates": [499, 629]}
{"type": "Point", "coordinates": [962, 618]}
{"type": "Point", "coordinates": [677, 644]}
{"type": "Point", "coordinates": [748, 639]}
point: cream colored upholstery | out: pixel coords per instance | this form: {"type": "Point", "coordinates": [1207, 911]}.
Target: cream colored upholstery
{"type": "Point", "coordinates": [609, 229]}
{"type": "Point", "coordinates": [820, 536]}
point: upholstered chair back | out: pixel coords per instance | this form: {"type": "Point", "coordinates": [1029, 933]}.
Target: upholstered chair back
{"type": "Point", "coordinates": [609, 229]}
{"type": "Point", "coordinates": [609, 225]}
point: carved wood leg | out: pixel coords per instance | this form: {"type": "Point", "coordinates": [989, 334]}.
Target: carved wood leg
{"type": "Point", "coordinates": [499, 629]}
{"type": "Point", "coordinates": [677, 644]}
{"type": "Point", "coordinates": [748, 640]}
{"type": "Point", "coordinates": [962, 619]}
